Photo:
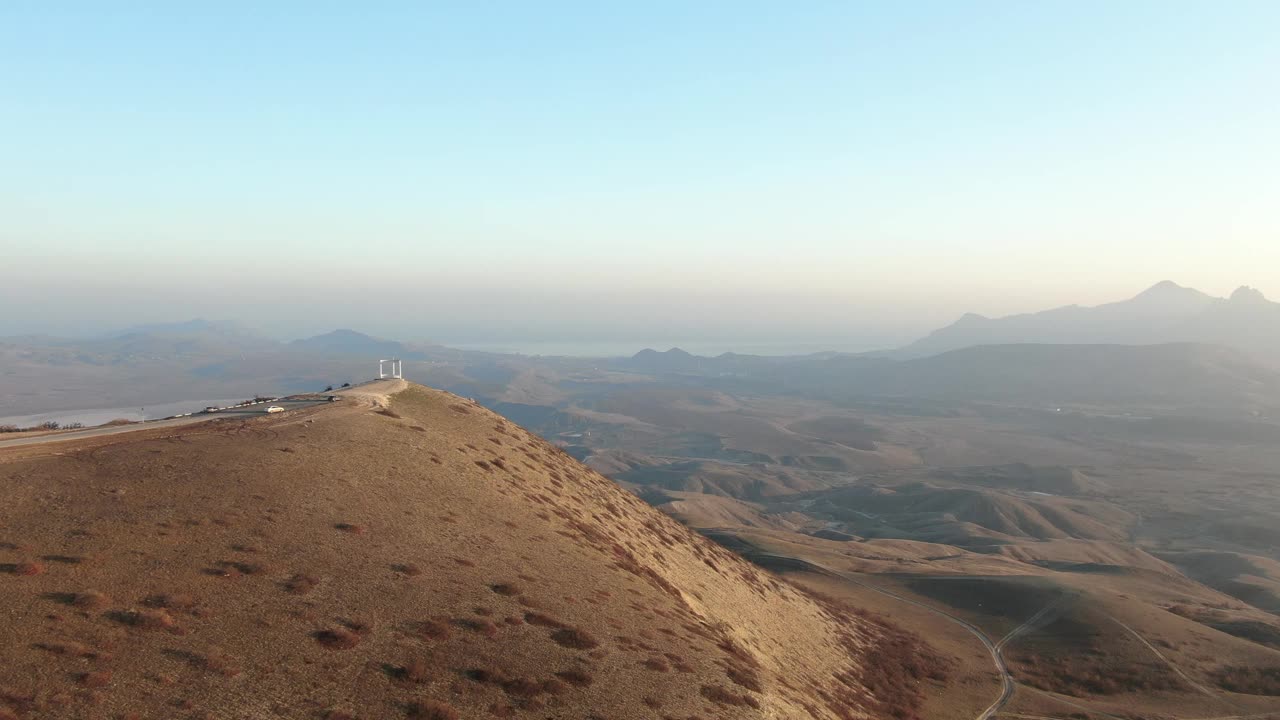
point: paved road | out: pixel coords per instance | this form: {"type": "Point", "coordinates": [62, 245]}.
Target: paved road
{"type": "Point", "coordinates": [255, 410]}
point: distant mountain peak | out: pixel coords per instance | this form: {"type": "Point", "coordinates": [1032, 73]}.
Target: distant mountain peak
{"type": "Point", "coordinates": [1246, 294]}
{"type": "Point", "coordinates": [1169, 290]}
{"type": "Point", "coordinates": [1165, 312]}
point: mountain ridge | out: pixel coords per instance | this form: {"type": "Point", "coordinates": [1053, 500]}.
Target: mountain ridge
{"type": "Point", "coordinates": [1164, 313]}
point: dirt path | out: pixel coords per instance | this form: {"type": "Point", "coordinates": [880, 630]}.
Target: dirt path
{"type": "Point", "coordinates": [1008, 685]}
{"type": "Point", "coordinates": [1177, 670]}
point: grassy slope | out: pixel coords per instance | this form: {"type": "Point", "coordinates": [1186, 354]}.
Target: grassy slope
{"type": "Point", "coordinates": [342, 560]}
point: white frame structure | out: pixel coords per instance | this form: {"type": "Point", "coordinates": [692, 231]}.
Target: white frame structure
{"type": "Point", "coordinates": [397, 369]}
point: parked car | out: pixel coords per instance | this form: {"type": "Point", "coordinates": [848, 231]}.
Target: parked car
{"type": "Point", "coordinates": [275, 409]}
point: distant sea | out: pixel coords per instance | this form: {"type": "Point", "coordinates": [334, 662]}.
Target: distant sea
{"type": "Point", "coordinates": [89, 418]}
{"type": "Point", "coordinates": [627, 348]}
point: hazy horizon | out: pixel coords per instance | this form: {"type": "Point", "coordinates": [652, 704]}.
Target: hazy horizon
{"type": "Point", "coordinates": [856, 176]}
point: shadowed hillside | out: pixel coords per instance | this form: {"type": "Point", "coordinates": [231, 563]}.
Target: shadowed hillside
{"type": "Point", "coordinates": [415, 556]}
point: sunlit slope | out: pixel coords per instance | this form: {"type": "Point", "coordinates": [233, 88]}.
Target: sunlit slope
{"type": "Point", "coordinates": [422, 558]}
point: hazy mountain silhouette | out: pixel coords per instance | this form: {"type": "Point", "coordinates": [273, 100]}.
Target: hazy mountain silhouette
{"type": "Point", "coordinates": [1165, 313]}
{"type": "Point", "coordinates": [350, 342]}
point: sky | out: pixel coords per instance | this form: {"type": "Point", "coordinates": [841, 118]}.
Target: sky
{"type": "Point", "coordinates": [843, 173]}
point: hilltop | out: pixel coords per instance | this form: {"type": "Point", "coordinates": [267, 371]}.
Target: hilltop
{"type": "Point", "coordinates": [400, 555]}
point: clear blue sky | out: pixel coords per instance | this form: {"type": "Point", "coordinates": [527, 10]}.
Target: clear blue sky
{"type": "Point", "coordinates": [815, 169]}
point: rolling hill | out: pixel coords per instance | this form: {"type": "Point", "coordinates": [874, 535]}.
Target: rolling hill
{"type": "Point", "coordinates": [408, 554]}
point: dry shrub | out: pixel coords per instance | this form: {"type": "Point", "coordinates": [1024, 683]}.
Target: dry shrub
{"type": "Point", "coordinates": [1248, 680]}
{"type": "Point", "coordinates": [574, 638]}
{"type": "Point", "coordinates": [522, 687]}
{"type": "Point", "coordinates": [67, 648]}
{"type": "Point", "coordinates": [433, 630]}
{"type": "Point", "coordinates": [91, 600]}
{"type": "Point", "coordinates": [63, 559]}
{"type": "Point", "coordinates": [23, 568]}
{"type": "Point", "coordinates": [507, 589]}
{"type": "Point", "coordinates": [537, 618]}
{"type": "Point", "coordinates": [244, 568]}
{"type": "Point", "coordinates": [351, 528]}
{"type": "Point", "coordinates": [745, 677]}
{"type": "Point", "coordinates": [656, 665]}
{"type": "Point", "coordinates": [217, 661]}
{"type": "Point", "coordinates": [431, 710]}
{"type": "Point", "coordinates": [483, 627]}
{"type": "Point", "coordinates": [339, 715]}
{"type": "Point", "coordinates": [301, 584]}
{"type": "Point", "coordinates": [95, 679]}
{"type": "Point", "coordinates": [337, 638]}
{"type": "Point", "coordinates": [460, 409]}
{"type": "Point", "coordinates": [214, 660]}
{"type": "Point", "coordinates": [150, 619]}
{"type": "Point", "coordinates": [172, 601]}
{"type": "Point", "coordinates": [580, 678]}
{"type": "Point", "coordinates": [409, 569]}
{"type": "Point", "coordinates": [722, 696]}
{"type": "Point", "coordinates": [414, 670]}
{"type": "Point", "coordinates": [388, 412]}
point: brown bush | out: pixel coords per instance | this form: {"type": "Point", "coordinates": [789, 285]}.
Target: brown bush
{"type": "Point", "coordinates": [388, 412]}
{"type": "Point", "coordinates": [23, 568]}
{"type": "Point", "coordinates": [414, 670]}
{"type": "Point", "coordinates": [483, 627]}
{"type": "Point", "coordinates": [507, 589]}
{"type": "Point", "coordinates": [581, 678]}
{"type": "Point", "coordinates": [433, 630]}
{"type": "Point", "coordinates": [350, 528]}
{"type": "Point", "coordinates": [1248, 680]}
{"type": "Point", "coordinates": [171, 601]}
{"type": "Point", "coordinates": [96, 679]}
{"type": "Point", "coordinates": [91, 600]}
{"type": "Point", "coordinates": [537, 618]}
{"type": "Point", "coordinates": [745, 677]}
{"type": "Point", "coordinates": [337, 638]}
{"type": "Point", "coordinates": [152, 619]}
{"type": "Point", "coordinates": [574, 638]}
{"type": "Point", "coordinates": [722, 696]}
{"type": "Point", "coordinates": [301, 584]}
